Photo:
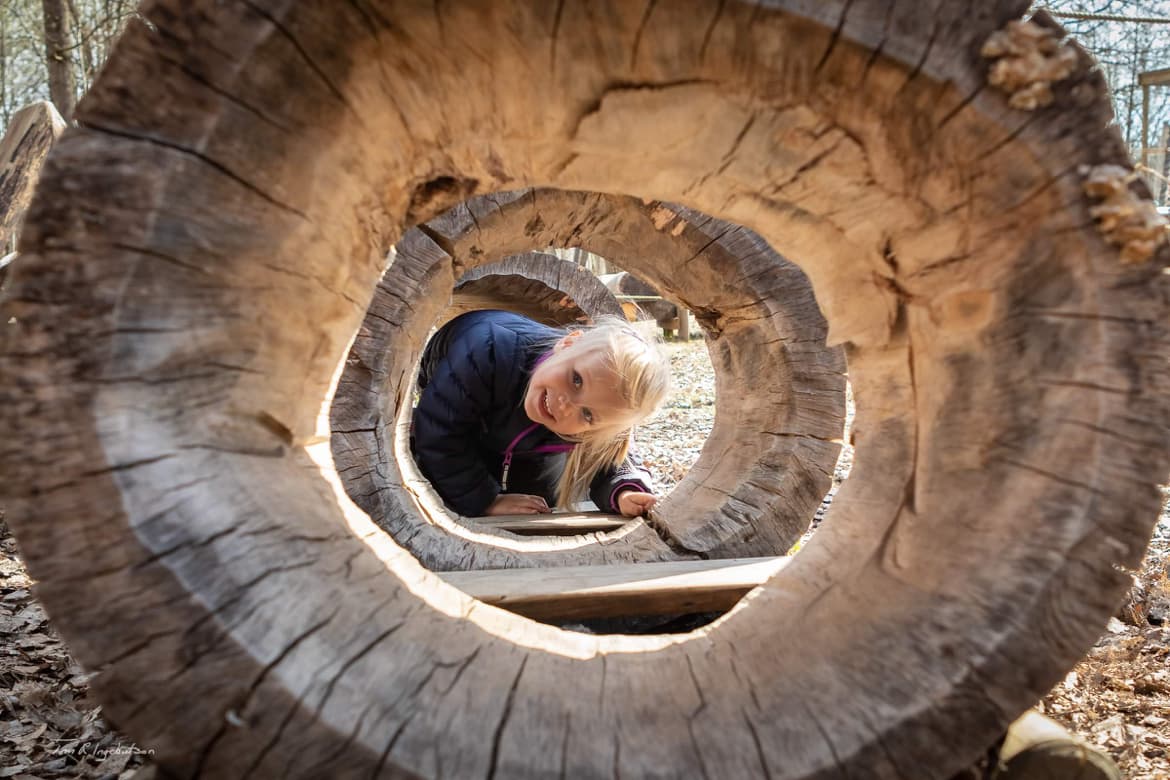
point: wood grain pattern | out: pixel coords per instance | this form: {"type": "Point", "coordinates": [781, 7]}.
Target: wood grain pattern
{"type": "Point", "coordinates": [561, 524]}
{"type": "Point", "coordinates": [779, 390]}
{"type": "Point", "coordinates": [26, 141]}
{"type": "Point", "coordinates": [574, 592]}
{"type": "Point", "coordinates": [202, 250]}
{"type": "Point", "coordinates": [540, 286]}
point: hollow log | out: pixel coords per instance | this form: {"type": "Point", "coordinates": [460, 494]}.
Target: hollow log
{"type": "Point", "coordinates": [26, 141]}
{"type": "Point", "coordinates": [202, 250]}
{"type": "Point", "coordinates": [779, 390]}
{"type": "Point", "coordinates": [540, 286]}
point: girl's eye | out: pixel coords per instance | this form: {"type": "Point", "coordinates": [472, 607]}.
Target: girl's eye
{"type": "Point", "coordinates": [588, 415]}
{"type": "Point", "coordinates": [576, 379]}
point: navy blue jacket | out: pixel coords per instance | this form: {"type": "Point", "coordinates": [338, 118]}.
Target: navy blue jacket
{"type": "Point", "coordinates": [473, 377]}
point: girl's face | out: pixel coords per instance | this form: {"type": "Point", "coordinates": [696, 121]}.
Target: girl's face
{"type": "Point", "coordinates": [575, 390]}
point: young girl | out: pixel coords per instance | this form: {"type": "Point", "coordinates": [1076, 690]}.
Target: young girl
{"type": "Point", "coordinates": [515, 416]}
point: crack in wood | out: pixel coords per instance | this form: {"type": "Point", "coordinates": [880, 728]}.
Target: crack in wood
{"type": "Point", "coordinates": [755, 734]}
{"type": "Point", "coordinates": [203, 81]}
{"type": "Point", "coordinates": [186, 544]}
{"type": "Point", "coordinates": [554, 37]}
{"type": "Point", "coordinates": [710, 29]}
{"type": "Point", "coordinates": [879, 49]}
{"type": "Point", "coordinates": [1086, 386]}
{"type": "Point", "coordinates": [1058, 478]}
{"type": "Point", "coordinates": [300, 49]}
{"type": "Point", "coordinates": [136, 648]}
{"type": "Point", "coordinates": [646, 12]}
{"type": "Point", "coordinates": [203, 158]}
{"type": "Point", "coordinates": [156, 254]}
{"type": "Point", "coordinates": [248, 694]}
{"type": "Point", "coordinates": [916, 71]}
{"type": "Point", "coordinates": [834, 38]}
{"type": "Point", "coordinates": [509, 702]}
{"type": "Point", "coordinates": [329, 687]}
{"type": "Point", "coordinates": [824, 733]}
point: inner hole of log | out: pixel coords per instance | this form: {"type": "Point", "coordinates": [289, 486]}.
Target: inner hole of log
{"type": "Point", "coordinates": [563, 287]}
{"type": "Point", "coordinates": [759, 457]}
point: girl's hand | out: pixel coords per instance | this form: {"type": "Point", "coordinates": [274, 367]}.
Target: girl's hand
{"type": "Point", "coordinates": [633, 503]}
{"type": "Point", "coordinates": [517, 504]}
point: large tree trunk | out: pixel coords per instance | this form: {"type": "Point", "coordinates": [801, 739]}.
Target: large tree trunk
{"type": "Point", "coordinates": [202, 250]}
{"type": "Point", "coordinates": [59, 56]}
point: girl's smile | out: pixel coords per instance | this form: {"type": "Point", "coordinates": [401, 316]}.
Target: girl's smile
{"type": "Point", "coordinates": [575, 391]}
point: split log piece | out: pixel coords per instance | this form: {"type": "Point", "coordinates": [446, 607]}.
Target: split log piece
{"type": "Point", "coordinates": [26, 141]}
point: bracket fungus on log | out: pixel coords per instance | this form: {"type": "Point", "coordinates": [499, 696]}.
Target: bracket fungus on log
{"type": "Point", "coordinates": [202, 250]}
{"type": "Point", "coordinates": [780, 391]}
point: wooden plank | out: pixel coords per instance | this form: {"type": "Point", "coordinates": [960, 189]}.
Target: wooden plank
{"type": "Point", "coordinates": [1154, 78]}
{"type": "Point", "coordinates": [674, 587]}
{"type": "Point", "coordinates": [554, 524]}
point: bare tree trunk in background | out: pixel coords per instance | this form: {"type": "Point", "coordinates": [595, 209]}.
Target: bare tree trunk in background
{"type": "Point", "coordinates": [4, 70]}
{"type": "Point", "coordinates": [62, 89]}
{"type": "Point", "coordinates": [1131, 93]}
{"type": "Point", "coordinates": [84, 45]}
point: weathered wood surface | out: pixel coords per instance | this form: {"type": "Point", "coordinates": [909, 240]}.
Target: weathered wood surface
{"type": "Point", "coordinates": [540, 286]}
{"type": "Point", "coordinates": [5, 261]}
{"type": "Point", "coordinates": [560, 524]}
{"type": "Point", "coordinates": [632, 589]}
{"type": "Point", "coordinates": [779, 390]}
{"type": "Point", "coordinates": [625, 283]}
{"type": "Point", "coordinates": [202, 249]}
{"type": "Point", "coordinates": [1039, 748]}
{"type": "Point", "coordinates": [26, 141]}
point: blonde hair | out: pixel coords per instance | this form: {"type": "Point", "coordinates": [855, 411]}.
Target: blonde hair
{"type": "Point", "coordinates": [643, 371]}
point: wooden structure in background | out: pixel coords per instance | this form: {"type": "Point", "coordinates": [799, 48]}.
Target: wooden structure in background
{"type": "Point", "coordinates": [1150, 78]}
{"type": "Point", "coordinates": [26, 141]}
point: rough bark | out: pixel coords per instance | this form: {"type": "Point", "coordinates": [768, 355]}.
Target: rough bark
{"type": "Point", "coordinates": [202, 251]}
{"type": "Point", "coordinates": [58, 56]}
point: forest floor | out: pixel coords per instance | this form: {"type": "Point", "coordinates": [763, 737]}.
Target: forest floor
{"type": "Point", "coordinates": [1118, 697]}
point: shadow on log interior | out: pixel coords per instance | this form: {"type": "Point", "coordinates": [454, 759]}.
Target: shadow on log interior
{"type": "Point", "coordinates": [541, 286]}
{"type": "Point", "coordinates": [203, 248]}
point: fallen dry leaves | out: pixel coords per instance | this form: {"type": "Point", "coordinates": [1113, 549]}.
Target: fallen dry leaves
{"type": "Point", "coordinates": [49, 725]}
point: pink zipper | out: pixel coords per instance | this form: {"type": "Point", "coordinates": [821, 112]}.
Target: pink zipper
{"type": "Point", "coordinates": [508, 454]}
{"type": "Point", "coordinates": [543, 448]}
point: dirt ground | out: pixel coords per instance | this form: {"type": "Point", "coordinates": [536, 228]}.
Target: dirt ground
{"type": "Point", "coordinates": [1118, 697]}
